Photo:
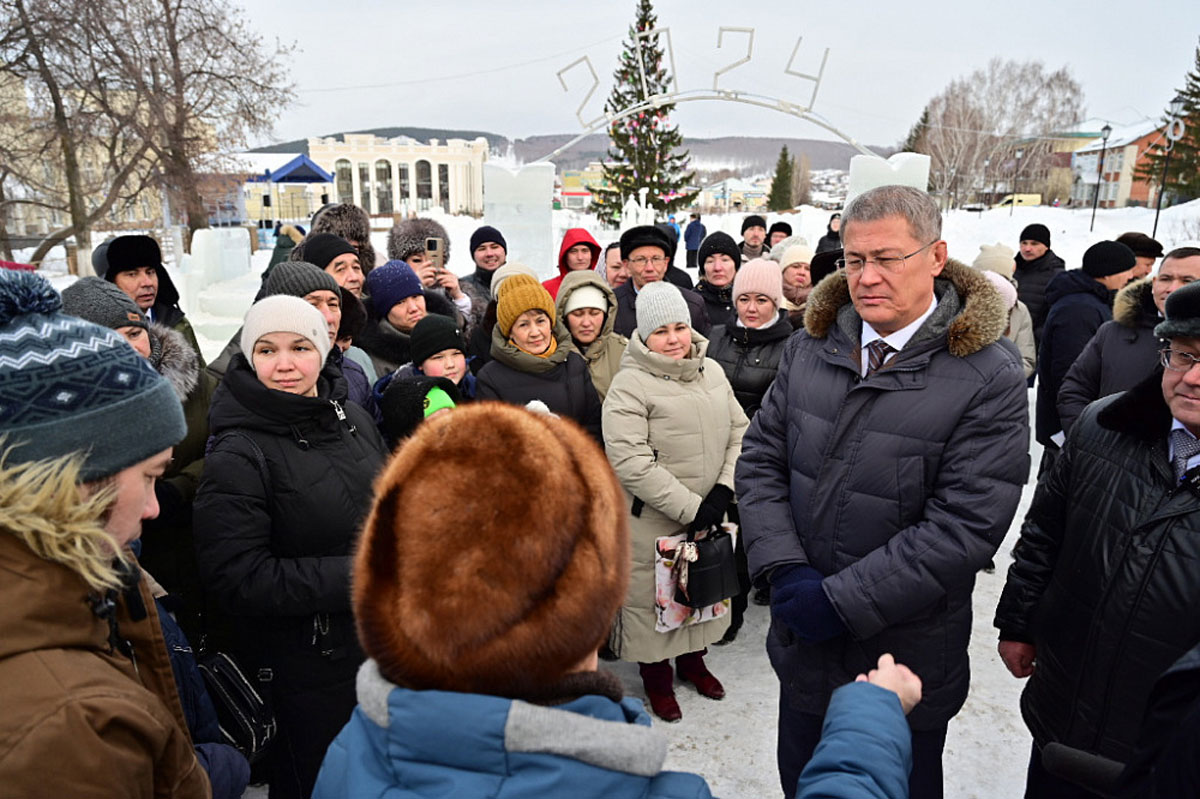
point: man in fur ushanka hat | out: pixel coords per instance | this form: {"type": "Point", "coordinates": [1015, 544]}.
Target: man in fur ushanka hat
{"type": "Point", "coordinates": [481, 613]}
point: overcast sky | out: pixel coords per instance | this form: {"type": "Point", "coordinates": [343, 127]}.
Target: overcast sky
{"type": "Point", "coordinates": [483, 65]}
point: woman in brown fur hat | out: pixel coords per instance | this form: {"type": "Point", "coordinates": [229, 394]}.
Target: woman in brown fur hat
{"type": "Point", "coordinates": [482, 621]}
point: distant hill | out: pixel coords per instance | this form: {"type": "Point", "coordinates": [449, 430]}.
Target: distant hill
{"type": "Point", "coordinates": [747, 155]}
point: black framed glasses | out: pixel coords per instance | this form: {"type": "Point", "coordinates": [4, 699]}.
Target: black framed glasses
{"type": "Point", "coordinates": [885, 263]}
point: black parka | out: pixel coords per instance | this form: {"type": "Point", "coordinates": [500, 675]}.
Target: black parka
{"type": "Point", "coordinates": [562, 381]}
{"type": "Point", "coordinates": [897, 487]}
{"type": "Point", "coordinates": [287, 483]}
{"type": "Point", "coordinates": [750, 357]}
{"type": "Point", "coordinates": [1104, 581]}
{"type": "Point", "coordinates": [1123, 353]}
{"type": "Point", "coordinates": [718, 302]}
{"type": "Point", "coordinates": [1033, 277]}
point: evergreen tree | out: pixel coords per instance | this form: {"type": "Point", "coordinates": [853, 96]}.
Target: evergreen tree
{"type": "Point", "coordinates": [1183, 170]}
{"type": "Point", "coordinates": [645, 149]}
{"type": "Point", "coordinates": [780, 198]}
{"type": "Point", "coordinates": [915, 142]}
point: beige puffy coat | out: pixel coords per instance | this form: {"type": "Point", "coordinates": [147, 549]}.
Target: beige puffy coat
{"type": "Point", "coordinates": [672, 430]}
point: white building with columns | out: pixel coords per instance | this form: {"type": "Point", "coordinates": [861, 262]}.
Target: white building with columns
{"type": "Point", "coordinates": [403, 175]}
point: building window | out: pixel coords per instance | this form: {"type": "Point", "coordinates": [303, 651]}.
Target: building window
{"type": "Point", "coordinates": [343, 181]}
{"type": "Point", "coordinates": [364, 185]}
{"type": "Point", "coordinates": [404, 191]}
{"type": "Point", "coordinates": [383, 187]}
{"type": "Point", "coordinates": [424, 186]}
{"type": "Point", "coordinates": [444, 187]}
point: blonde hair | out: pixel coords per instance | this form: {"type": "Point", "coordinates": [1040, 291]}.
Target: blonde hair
{"type": "Point", "coordinates": [44, 504]}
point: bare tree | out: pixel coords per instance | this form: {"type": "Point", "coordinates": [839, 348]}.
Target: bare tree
{"type": "Point", "coordinates": [59, 151]}
{"type": "Point", "coordinates": [802, 180]}
{"type": "Point", "coordinates": [987, 116]}
{"type": "Point", "coordinates": [207, 79]}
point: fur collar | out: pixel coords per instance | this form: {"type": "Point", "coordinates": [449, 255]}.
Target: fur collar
{"type": "Point", "coordinates": [1141, 411]}
{"type": "Point", "coordinates": [1134, 305]}
{"type": "Point", "coordinates": [174, 359]}
{"type": "Point", "coordinates": [980, 322]}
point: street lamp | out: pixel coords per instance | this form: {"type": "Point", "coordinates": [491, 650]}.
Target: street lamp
{"type": "Point", "coordinates": [1174, 133]}
{"type": "Point", "coordinates": [1105, 132]}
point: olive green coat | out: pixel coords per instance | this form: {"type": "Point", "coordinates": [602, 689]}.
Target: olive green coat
{"type": "Point", "coordinates": [603, 356]}
{"type": "Point", "coordinates": [672, 430]}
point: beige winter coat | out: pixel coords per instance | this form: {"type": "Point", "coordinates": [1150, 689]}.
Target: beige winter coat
{"type": "Point", "coordinates": [672, 430]}
{"type": "Point", "coordinates": [603, 355]}
{"type": "Point", "coordinates": [1020, 332]}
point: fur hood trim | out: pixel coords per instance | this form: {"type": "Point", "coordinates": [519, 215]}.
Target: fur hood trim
{"type": "Point", "coordinates": [981, 322]}
{"type": "Point", "coordinates": [174, 359]}
{"type": "Point", "coordinates": [1133, 302]}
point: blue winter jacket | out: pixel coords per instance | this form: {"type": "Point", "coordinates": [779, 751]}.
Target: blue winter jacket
{"type": "Point", "coordinates": [865, 750]}
{"type": "Point", "coordinates": [693, 234]}
{"type": "Point", "coordinates": [406, 744]}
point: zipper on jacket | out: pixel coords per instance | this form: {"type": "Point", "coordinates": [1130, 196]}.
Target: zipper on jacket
{"type": "Point", "coordinates": [341, 415]}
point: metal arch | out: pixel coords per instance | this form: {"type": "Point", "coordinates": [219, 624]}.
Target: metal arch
{"type": "Point", "coordinates": [595, 85]}
{"type": "Point", "coordinates": [761, 101]}
{"type": "Point", "coordinates": [749, 51]}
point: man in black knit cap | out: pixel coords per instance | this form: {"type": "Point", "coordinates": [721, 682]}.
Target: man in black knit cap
{"type": "Point", "coordinates": [1037, 265]}
{"type": "Point", "coordinates": [754, 237]}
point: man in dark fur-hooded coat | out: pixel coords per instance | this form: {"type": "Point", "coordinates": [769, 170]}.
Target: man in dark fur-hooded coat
{"type": "Point", "coordinates": [869, 502]}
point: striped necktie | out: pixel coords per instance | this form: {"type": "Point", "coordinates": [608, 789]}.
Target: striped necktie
{"type": "Point", "coordinates": [877, 351]}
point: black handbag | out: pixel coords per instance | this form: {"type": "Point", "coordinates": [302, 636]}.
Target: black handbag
{"type": "Point", "coordinates": [712, 575]}
{"type": "Point", "coordinates": [247, 722]}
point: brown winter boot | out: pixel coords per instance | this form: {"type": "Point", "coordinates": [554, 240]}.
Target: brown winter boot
{"type": "Point", "coordinates": [659, 682]}
{"type": "Point", "coordinates": [692, 669]}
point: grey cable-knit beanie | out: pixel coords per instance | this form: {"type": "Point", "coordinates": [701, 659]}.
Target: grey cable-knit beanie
{"type": "Point", "coordinates": [101, 302]}
{"type": "Point", "coordinates": [298, 279]}
{"type": "Point", "coordinates": [658, 304]}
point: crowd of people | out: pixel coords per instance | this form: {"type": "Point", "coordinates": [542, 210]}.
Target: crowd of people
{"type": "Point", "coordinates": [441, 500]}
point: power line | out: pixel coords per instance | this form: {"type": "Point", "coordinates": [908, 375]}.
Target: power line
{"type": "Point", "coordinates": [461, 75]}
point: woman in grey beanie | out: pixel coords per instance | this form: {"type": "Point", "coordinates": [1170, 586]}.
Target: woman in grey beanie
{"type": "Point", "coordinates": [672, 431]}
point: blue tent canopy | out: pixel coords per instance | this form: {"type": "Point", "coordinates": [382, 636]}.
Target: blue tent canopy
{"type": "Point", "coordinates": [300, 169]}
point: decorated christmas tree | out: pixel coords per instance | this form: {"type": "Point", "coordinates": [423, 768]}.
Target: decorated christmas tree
{"type": "Point", "coordinates": [645, 148]}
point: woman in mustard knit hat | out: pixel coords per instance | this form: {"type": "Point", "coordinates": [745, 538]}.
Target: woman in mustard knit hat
{"type": "Point", "coordinates": [527, 361]}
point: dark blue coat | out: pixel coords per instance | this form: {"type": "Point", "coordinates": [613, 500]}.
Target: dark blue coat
{"type": "Point", "coordinates": [693, 234]}
{"type": "Point", "coordinates": [897, 487]}
{"type": "Point", "coordinates": [1078, 306]}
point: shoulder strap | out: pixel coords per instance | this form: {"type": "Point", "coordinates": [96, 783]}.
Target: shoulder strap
{"type": "Point", "coordinates": [259, 458]}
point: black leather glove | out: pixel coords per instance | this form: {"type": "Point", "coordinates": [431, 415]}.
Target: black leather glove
{"type": "Point", "coordinates": [712, 508]}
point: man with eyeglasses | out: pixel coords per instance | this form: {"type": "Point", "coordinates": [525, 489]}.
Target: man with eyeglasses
{"type": "Point", "coordinates": [881, 473]}
{"type": "Point", "coordinates": [1124, 351]}
{"type": "Point", "coordinates": [1080, 301]}
{"type": "Point", "coordinates": [647, 251]}
{"type": "Point", "coordinates": [1103, 592]}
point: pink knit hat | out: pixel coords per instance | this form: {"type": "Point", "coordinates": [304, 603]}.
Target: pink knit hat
{"type": "Point", "coordinates": [760, 276]}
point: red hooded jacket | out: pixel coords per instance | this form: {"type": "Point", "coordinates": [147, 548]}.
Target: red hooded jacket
{"type": "Point", "coordinates": [573, 236]}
